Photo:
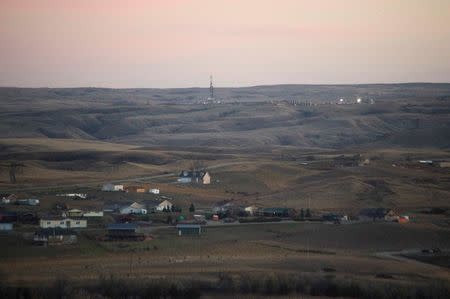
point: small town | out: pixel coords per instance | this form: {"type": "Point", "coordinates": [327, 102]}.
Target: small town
{"type": "Point", "coordinates": [136, 221]}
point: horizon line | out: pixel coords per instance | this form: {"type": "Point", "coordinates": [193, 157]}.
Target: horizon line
{"type": "Point", "coordinates": [229, 86]}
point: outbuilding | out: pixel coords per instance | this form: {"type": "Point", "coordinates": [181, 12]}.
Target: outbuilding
{"type": "Point", "coordinates": [189, 229]}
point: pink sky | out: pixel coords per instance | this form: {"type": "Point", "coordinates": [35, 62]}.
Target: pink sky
{"type": "Point", "coordinates": [176, 43]}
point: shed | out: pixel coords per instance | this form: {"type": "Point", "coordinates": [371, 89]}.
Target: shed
{"type": "Point", "coordinates": [189, 229]}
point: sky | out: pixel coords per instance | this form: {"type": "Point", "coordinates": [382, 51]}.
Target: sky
{"type": "Point", "coordinates": [176, 43]}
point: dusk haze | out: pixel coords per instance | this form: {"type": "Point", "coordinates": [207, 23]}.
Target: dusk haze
{"type": "Point", "coordinates": [174, 43]}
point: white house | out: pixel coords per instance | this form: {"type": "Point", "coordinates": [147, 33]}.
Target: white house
{"type": "Point", "coordinates": [154, 191]}
{"type": "Point", "coordinates": [164, 206]}
{"type": "Point", "coordinates": [134, 208]}
{"type": "Point", "coordinates": [112, 187]}
{"type": "Point", "coordinates": [62, 223]}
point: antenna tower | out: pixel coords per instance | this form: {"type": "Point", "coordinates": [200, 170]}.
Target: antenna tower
{"type": "Point", "coordinates": [211, 87]}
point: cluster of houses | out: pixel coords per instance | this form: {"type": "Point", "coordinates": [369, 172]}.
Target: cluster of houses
{"type": "Point", "coordinates": [229, 209]}
{"type": "Point", "coordinates": [62, 228]}
{"type": "Point", "coordinates": [110, 187]}
{"type": "Point", "coordinates": [185, 177]}
{"type": "Point", "coordinates": [75, 196]}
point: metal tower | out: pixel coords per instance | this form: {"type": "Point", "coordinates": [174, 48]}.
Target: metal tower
{"type": "Point", "coordinates": [211, 87]}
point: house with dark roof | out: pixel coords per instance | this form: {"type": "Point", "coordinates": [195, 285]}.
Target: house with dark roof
{"type": "Point", "coordinates": [199, 177]}
{"type": "Point", "coordinates": [124, 231]}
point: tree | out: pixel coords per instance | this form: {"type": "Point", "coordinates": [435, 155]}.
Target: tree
{"type": "Point", "coordinates": [192, 208]}
{"type": "Point", "coordinates": [13, 169]}
{"type": "Point", "coordinates": [308, 213]}
{"type": "Point", "coordinates": [197, 165]}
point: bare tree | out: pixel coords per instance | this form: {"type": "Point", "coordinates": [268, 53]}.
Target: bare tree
{"type": "Point", "coordinates": [14, 168]}
{"type": "Point", "coordinates": [197, 165]}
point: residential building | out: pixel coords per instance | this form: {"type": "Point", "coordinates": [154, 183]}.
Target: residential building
{"type": "Point", "coordinates": [134, 208]}
{"type": "Point", "coordinates": [109, 187]}
{"type": "Point", "coordinates": [28, 202]}
{"type": "Point", "coordinates": [74, 213]}
{"type": "Point", "coordinates": [50, 222]}
{"type": "Point", "coordinates": [6, 217]}
{"type": "Point", "coordinates": [251, 210]}
{"type": "Point", "coordinates": [165, 205]}
{"type": "Point", "coordinates": [154, 191]}
{"type": "Point", "coordinates": [55, 236]}
{"type": "Point", "coordinates": [189, 229]}
{"type": "Point", "coordinates": [201, 177]}
{"type": "Point", "coordinates": [5, 227]}
{"type": "Point", "coordinates": [7, 198]}
{"type": "Point", "coordinates": [124, 231]}
{"type": "Point", "coordinates": [93, 214]}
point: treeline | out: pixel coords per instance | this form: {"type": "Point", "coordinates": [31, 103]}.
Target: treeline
{"type": "Point", "coordinates": [245, 284]}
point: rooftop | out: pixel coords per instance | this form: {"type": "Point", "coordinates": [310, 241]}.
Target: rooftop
{"type": "Point", "coordinates": [122, 226]}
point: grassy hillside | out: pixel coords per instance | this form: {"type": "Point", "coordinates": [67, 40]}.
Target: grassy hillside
{"type": "Point", "coordinates": [412, 115]}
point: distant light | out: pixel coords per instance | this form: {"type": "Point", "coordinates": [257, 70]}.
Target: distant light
{"type": "Point", "coordinates": [358, 100]}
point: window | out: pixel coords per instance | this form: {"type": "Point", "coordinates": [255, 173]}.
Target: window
{"type": "Point", "coordinates": [62, 222]}
{"type": "Point", "coordinates": [48, 222]}
{"type": "Point", "coordinates": [78, 222]}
